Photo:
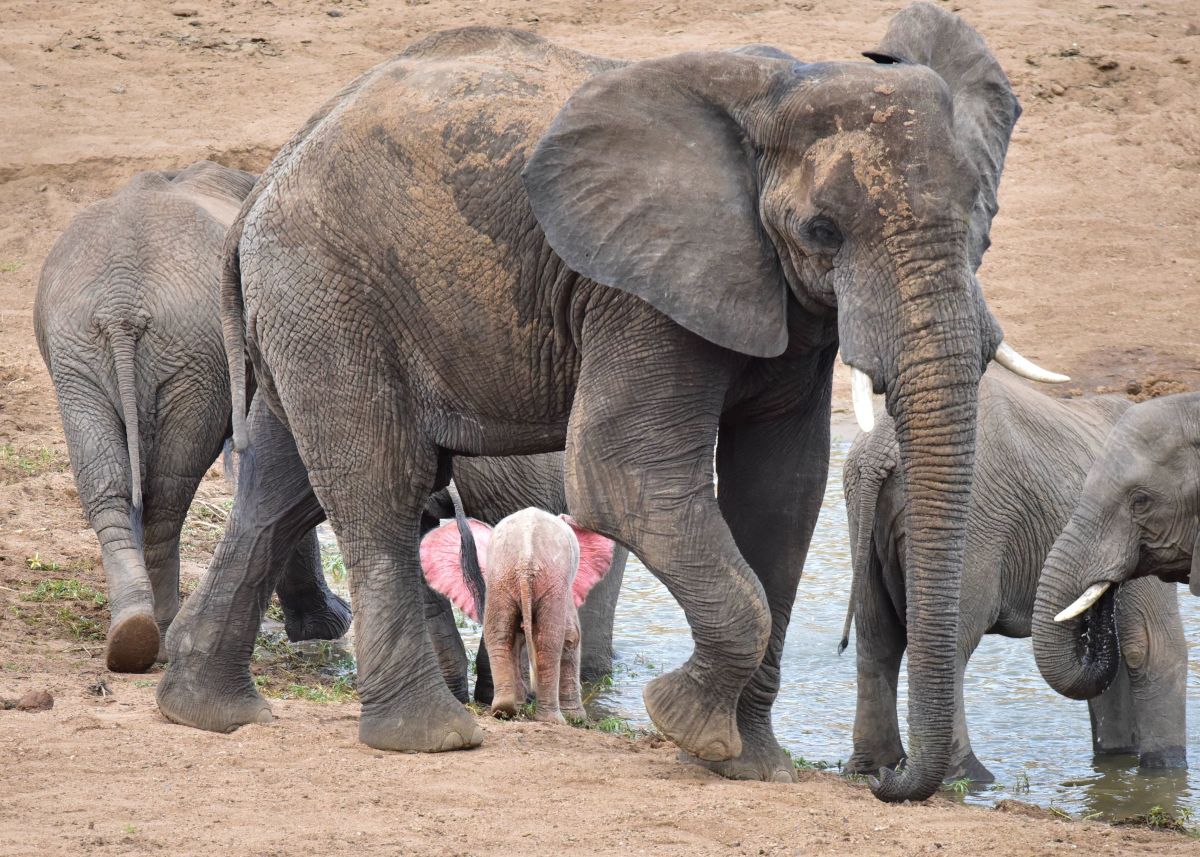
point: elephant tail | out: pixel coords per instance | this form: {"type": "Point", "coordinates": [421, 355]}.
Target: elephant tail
{"type": "Point", "coordinates": [862, 529]}
{"type": "Point", "coordinates": [123, 343]}
{"type": "Point", "coordinates": [523, 584]}
{"type": "Point", "coordinates": [233, 329]}
{"type": "Point", "coordinates": [469, 554]}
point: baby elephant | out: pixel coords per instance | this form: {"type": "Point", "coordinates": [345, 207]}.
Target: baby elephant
{"type": "Point", "coordinates": [127, 321]}
{"type": "Point", "coordinates": [536, 570]}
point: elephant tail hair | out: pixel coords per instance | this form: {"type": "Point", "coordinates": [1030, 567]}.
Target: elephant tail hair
{"type": "Point", "coordinates": [523, 584]}
{"type": "Point", "coordinates": [233, 329]}
{"type": "Point", "coordinates": [123, 342]}
{"type": "Point", "coordinates": [468, 556]}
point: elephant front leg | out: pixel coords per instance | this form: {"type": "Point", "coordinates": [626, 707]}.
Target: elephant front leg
{"type": "Point", "coordinates": [311, 610]}
{"type": "Point", "coordinates": [772, 474]}
{"type": "Point", "coordinates": [570, 694]}
{"type": "Point", "coordinates": [639, 470]}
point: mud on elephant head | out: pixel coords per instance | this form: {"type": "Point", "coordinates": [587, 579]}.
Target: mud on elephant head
{"type": "Point", "coordinates": [536, 570]}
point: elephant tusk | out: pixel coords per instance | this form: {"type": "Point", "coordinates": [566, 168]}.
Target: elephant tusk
{"type": "Point", "coordinates": [1090, 596]}
{"type": "Point", "coordinates": [861, 391]}
{"type": "Point", "coordinates": [1008, 357]}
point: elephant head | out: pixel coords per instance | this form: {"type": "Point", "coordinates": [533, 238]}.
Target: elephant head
{"type": "Point", "coordinates": [739, 192]}
{"type": "Point", "coordinates": [1138, 515]}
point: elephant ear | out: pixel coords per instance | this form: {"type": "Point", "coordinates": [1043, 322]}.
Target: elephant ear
{"type": "Point", "coordinates": [985, 107]}
{"type": "Point", "coordinates": [595, 559]}
{"type": "Point", "coordinates": [645, 181]}
{"type": "Point", "coordinates": [441, 561]}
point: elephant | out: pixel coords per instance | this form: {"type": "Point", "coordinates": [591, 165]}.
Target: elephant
{"type": "Point", "coordinates": [1031, 458]}
{"type": "Point", "coordinates": [490, 489]}
{"type": "Point", "coordinates": [268, 529]}
{"type": "Point", "coordinates": [493, 245]}
{"type": "Point", "coordinates": [1138, 515]}
{"type": "Point", "coordinates": [127, 322]}
{"type": "Point", "coordinates": [536, 568]}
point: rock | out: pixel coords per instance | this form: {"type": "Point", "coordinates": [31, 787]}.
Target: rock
{"type": "Point", "coordinates": [119, 89]}
{"type": "Point", "coordinates": [35, 700]}
{"type": "Point", "coordinates": [1057, 88]}
{"type": "Point", "coordinates": [184, 12]}
{"type": "Point", "coordinates": [334, 13]}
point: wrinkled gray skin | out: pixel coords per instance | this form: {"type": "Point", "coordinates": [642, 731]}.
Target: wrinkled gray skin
{"type": "Point", "coordinates": [270, 542]}
{"type": "Point", "coordinates": [493, 245]}
{"type": "Point", "coordinates": [1138, 515]}
{"type": "Point", "coordinates": [492, 489]}
{"type": "Point", "coordinates": [1032, 455]}
{"type": "Point", "coordinates": [127, 320]}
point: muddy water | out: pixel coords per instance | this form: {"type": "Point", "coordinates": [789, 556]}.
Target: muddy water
{"type": "Point", "coordinates": [1035, 742]}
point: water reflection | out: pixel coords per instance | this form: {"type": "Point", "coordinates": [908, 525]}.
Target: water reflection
{"type": "Point", "coordinates": [1036, 743]}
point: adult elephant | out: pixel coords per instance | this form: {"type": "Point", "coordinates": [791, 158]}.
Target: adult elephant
{"type": "Point", "coordinates": [1031, 459]}
{"type": "Point", "coordinates": [494, 245]}
{"type": "Point", "coordinates": [1138, 515]}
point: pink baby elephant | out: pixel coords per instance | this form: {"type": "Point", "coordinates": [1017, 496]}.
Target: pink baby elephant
{"type": "Point", "coordinates": [537, 569]}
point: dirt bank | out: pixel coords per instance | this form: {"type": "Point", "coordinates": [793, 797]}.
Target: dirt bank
{"type": "Point", "coordinates": [1093, 271]}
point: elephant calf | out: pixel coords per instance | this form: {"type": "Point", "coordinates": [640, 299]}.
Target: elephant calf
{"type": "Point", "coordinates": [1138, 516]}
{"type": "Point", "coordinates": [538, 569]}
{"type": "Point", "coordinates": [1032, 454]}
{"type": "Point", "coordinates": [127, 322]}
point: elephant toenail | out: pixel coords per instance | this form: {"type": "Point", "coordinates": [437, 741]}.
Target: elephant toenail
{"type": "Point", "coordinates": [453, 741]}
{"type": "Point", "coordinates": [781, 777]}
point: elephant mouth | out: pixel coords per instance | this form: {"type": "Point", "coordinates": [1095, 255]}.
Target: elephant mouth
{"type": "Point", "coordinates": [1086, 601]}
{"type": "Point", "coordinates": [1097, 624]}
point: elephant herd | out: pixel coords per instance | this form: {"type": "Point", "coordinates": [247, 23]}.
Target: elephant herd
{"type": "Point", "coordinates": [559, 278]}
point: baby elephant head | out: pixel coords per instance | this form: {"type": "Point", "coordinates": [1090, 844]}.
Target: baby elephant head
{"type": "Point", "coordinates": [537, 569]}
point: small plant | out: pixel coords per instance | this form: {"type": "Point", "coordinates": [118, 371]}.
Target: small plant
{"type": "Point", "coordinates": [9, 266]}
{"type": "Point", "coordinates": [803, 764]}
{"type": "Point", "coordinates": [82, 628]}
{"type": "Point", "coordinates": [144, 682]}
{"type": "Point", "coordinates": [36, 563]}
{"type": "Point", "coordinates": [334, 565]}
{"type": "Point", "coordinates": [16, 464]}
{"type": "Point", "coordinates": [1021, 785]}
{"type": "Point", "coordinates": [130, 829]}
{"type": "Point", "coordinates": [1059, 813]}
{"type": "Point", "coordinates": [55, 589]}
{"type": "Point", "coordinates": [959, 788]}
{"type": "Point", "coordinates": [599, 686]}
{"type": "Point", "coordinates": [275, 610]}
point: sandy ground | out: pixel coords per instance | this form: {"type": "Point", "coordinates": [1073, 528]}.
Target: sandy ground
{"type": "Point", "coordinates": [1093, 271]}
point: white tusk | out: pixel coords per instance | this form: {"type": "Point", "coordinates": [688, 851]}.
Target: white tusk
{"type": "Point", "coordinates": [861, 391]}
{"type": "Point", "coordinates": [1008, 357]}
{"type": "Point", "coordinates": [1083, 602]}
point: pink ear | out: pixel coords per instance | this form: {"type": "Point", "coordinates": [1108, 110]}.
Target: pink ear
{"type": "Point", "coordinates": [441, 552]}
{"type": "Point", "coordinates": [595, 558]}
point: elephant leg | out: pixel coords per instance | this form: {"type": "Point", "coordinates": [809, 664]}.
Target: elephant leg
{"type": "Point", "coordinates": [596, 616]}
{"type": "Point", "coordinates": [963, 762]}
{"type": "Point", "coordinates": [570, 694]}
{"type": "Point", "coordinates": [210, 643]}
{"type": "Point", "coordinates": [772, 471]}
{"type": "Point", "coordinates": [373, 472]}
{"type": "Point", "coordinates": [166, 506]}
{"type": "Point", "coordinates": [549, 639]}
{"type": "Point", "coordinates": [1114, 732]}
{"type": "Point", "coordinates": [502, 636]}
{"type": "Point", "coordinates": [639, 470]}
{"type": "Point", "coordinates": [879, 643]}
{"type": "Point", "coordinates": [447, 642]}
{"type": "Point", "coordinates": [311, 610]}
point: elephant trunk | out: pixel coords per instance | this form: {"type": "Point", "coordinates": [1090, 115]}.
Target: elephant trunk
{"type": "Point", "coordinates": [1077, 657]}
{"type": "Point", "coordinates": [933, 400]}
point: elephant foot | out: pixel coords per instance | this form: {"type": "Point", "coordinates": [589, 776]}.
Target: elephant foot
{"type": "Point", "coordinates": [191, 700]}
{"type": "Point", "coordinates": [542, 715]}
{"type": "Point", "coordinates": [690, 715]}
{"type": "Point", "coordinates": [1162, 760]}
{"type": "Point", "coordinates": [132, 644]}
{"type": "Point", "coordinates": [575, 715]}
{"type": "Point", "coordinates": [761, 759]}
{"type": "Point", "coordinates": [435, 724]}
{"type": "Point", "coordinates": [969, 768]}
{"type": "Point", "coordinates": [867, 763]}
{"type": "Point", "coordinates": [327, 621]}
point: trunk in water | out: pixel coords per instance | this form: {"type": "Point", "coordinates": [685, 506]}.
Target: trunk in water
{"type": "Point", "coordinates": [935, 410]}
{"type": "Point", "coordinates": [1078, 657]}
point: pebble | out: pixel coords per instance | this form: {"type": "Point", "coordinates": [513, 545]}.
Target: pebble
{"type": "Point", "coordinates": [184, 12]}
{"type": "Point", "coordinates": [119, 89]}
{"type": "Point", "coordinates": [334, 13]}
{"type": "Point", "coordinates": [1057, 88]}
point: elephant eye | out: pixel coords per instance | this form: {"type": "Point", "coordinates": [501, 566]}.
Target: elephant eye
{"type": "Point", "coordinates": [1139, 502]}
{"type": "Point", "coordinates": [823, 234]}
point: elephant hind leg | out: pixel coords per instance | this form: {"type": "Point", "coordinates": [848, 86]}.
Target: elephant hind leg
{"type": "Point", "coordinates": [570, 694]}
{"type": "Point", "coordinates": [311, 611]}
{"type": "Point", "coordinates": [504, 641]}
